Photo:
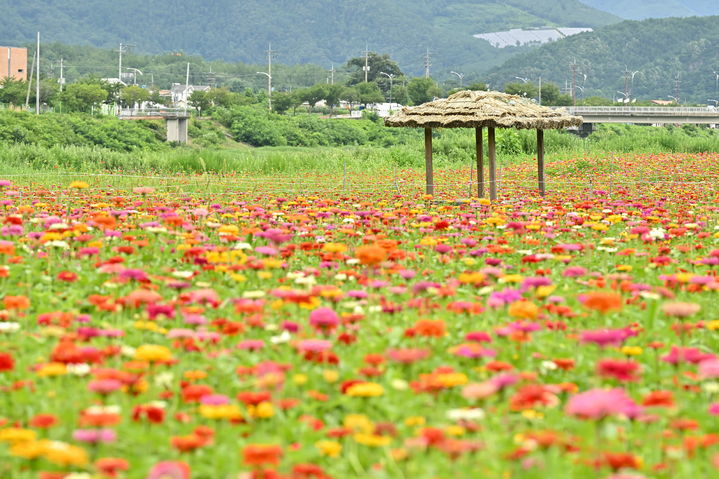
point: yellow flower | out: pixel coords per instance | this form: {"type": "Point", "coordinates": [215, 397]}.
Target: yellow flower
{"type": "Point", "coordinates": [365, 390]}
{"type": "Point", "coordinates": [153, 353]}
{"type": "Point", "coordinates": [532, 414]}
{"type": "Point", "coordinates": [632, 350]}
{"type": "Point", "coordinates": [15, 435]}
{"type": "Point", "coordinates": [471, 278]}
{"type": "Point", "coordinates": [334, 248]}
{"type": "Point", "coordinates": [511, 278]}
{"type": "Point", "coordinates": [329, 448]}
{"type": "Point", "coordinates": [415, 421]}
{"type": "Point", "coordinates": [52, 369]}
{"type": "Point", "coordinates": [455, 430]}
{"type": "Point", "coordinates": [64, 454]}
{"type": "Point", "coordinates": [28, 449]}
{"type": "Point", "coordinates": [625, 268]}
{"type": "Point", "coordinates": [484, 202]}
{"type": "Point", "coordinates": [449, 380]}
{"type": "Point", "coordinates": [263, 410]}
{"type": "Point", "coordinates": [713, 325]}
{"type": "Point", "coordinates": [221, 411]}
{"type": "Point", "coordinates": [194, 375]}
{"type": "Point", "coordinates": [372, 440]}
{"type": "Point", "coordinates": [330, 375]}
{"type": "Point", "coordinates": [544, 291]}
{"type": "Point", "coordinates": [358, 423]}
{"type": "Point", "coordinates": [79, 185]}
{"type": "Point", "coordinates": [299, 379]}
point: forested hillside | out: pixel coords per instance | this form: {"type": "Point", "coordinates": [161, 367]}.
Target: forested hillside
{"type": "Point", "coordinates": [638, 10]}
{"type": "Point", "coordinates": [313, 31]}
{"type": "Point", "coordinates": [671, 56]}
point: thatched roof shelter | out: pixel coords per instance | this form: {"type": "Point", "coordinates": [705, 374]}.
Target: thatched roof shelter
{"type": "Point", "coordinates": [483, 109]}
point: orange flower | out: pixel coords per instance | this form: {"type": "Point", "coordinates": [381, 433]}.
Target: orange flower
{"type": "Point", "coordinates": [16, 302]}
{"type": "Point", "coordinates": [261, 454]}
{"type": "Point", "coordinates": [523, 310]}
{"type": "Point", "coordinates": [371, 255]}
{"type": "Point", "coordinates": [430, 328]}
{"type": "Point", "coordinates": [603, 301]}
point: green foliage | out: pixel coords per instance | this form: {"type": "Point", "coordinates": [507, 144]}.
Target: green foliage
{"type": "Point", "coordinates": [369, 93]}
{"type": "Point", "coordinates": [200, 101]}
{"type": "Point", "coordinates": [13, 91]}
{"type": "Point", "coordinates": [656, 8]}
{"type": "Point", "coordinates": [659, 49]}
{"type": "Point", "coordinates": [377, 63]}
{"type": "Point", "coordinates": [318, 31]}
{"type": "Point", "coordinates": [82, 97]}
{"type": "Point", "coordinates": [422, 90]}
{"type": "Point", "coordinates": [132, 96]}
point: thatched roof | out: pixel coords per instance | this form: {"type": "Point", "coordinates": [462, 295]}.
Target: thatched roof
{"type": "Point", "coordinates": [469, 109]}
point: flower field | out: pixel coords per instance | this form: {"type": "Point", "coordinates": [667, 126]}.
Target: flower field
{"type": "Point", "coordinates": [367, 333]}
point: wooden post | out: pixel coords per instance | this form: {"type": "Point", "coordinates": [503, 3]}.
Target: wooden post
{"type": "Point", "coordinates": [428, 160]}
{"type": "Point", "coordinates": [492, 164]}
{"type": "Point", "coordinates": [540, 162]}
{"type": "Point", "coordinates": [480, 162]}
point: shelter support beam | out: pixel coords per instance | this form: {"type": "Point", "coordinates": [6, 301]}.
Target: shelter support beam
{"type": "Point", "coordinates": [428, 160]}
{"type": "Point", "coordinates": [540, 162]}
{"type": "Point", "coordinates": [492, 147]}
{"type": "Point", "coordinates": [480, 162]}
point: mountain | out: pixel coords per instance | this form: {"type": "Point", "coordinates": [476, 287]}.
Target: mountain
{"type": "Point", "coordinates": [662, 51]}
{"type": "Point", "coordinates": [311, 31]}
{"type": "Point", "coordinates": [639, 10]}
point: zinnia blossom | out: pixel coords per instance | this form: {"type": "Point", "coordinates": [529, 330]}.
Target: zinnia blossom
{"type": "Point", "coordinates": [600, 403]}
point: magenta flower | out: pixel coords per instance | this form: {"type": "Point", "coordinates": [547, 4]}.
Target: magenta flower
{"type": "Point", "coordinates": [314, 345]}
{"type": "Point", "coordinates": [169, 470]}
{"type": "Point", "coordinates": [94, 436]}
{"type": "Point", "coordinates": [324, 318]}
{"type": "Point", "coordinates": [601, 403]}
{"type": "Point", "coordinates": [104, 386]}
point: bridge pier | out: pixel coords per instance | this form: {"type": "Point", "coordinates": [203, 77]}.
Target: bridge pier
{"type": "Point", "coordinates": [176, 130]}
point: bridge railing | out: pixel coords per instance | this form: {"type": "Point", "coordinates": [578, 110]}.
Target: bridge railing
{"type": "Point", "coordinates": [158, 112]}
{"type": "Point", "coordinates": [640, 109]}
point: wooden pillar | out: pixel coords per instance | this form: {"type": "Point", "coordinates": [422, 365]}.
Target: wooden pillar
{"type": "Point", "coordinates": [429, 173]}
{"type": "Point", "coordinates": [480, 162]}
{"type": "Point", "coordinates": [540, 162]}
{"type": "Point", "coordinates": [492, 164]}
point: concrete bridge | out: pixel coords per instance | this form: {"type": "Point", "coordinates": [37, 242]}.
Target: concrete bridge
{"type": "Point", "coordinates": [175, 120]}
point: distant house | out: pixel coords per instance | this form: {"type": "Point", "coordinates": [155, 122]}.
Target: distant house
{"type": "Point", "coordinates": [13, 63]}
{"type": "Point", "coordinates": [180, 94]}
{"type": "Point", "coordinates": [663, 102]}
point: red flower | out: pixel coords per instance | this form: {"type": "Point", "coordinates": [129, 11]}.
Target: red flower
{"type": "Point", "coordinates": [7, 363]}
{"type": "Point", "coordinates": [258, 455]}
{"type": "Point", "coordinates": [624, 371]}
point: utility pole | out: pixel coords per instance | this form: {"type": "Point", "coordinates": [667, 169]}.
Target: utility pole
{"type": "Point", "coordinates": [540, 91]}
{"type": "Point", "coordinates": [574, 81]}
{"type": "Point", "coordinates": [332, 74]}
{"type": "Point", "coordinates": [627, 73]}
{"type": "Point", "coordinates": [62, 75]}
{"type": "Point", "coordinates": [268, 74]}
{"type": "Point", "coordinates": [716, 85]}
{"type": "Point", "coordinates": [9, 62]}
{"type": "Point", "coordinates": [119, 65]}
{"type": "Point", "coordinates": [366, 63]}
{"type": "Point", "coordinates": [678, 88]}
{"type": "Point", "coordinates": [29, 82]}
{"type": "Point", "coordinates": [37, 83]}
{"type": "Point", "coordinates": [427, 63]}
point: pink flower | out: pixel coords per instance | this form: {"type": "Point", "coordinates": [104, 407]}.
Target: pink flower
{"type": "Point", "coordinates": [169, 470]}
{"type": "Point", "coordinates": [215, 400]}
{"type": "Point", "coordinates": [104, 386]}
{"type": "Point", "coordinates": [601, 403]}
{"type": "Point", "coordinates": [607, 337]}
{"type": "Point", "coordinates": [690, 355]}
{"type": "Point", "coordinates": [324, 318]}
{"type": "Point", "coordinates": [251, 344]}
{"type": "Point", "coordinates": [714, 409]}
{"type": "Point", "coordinates": [314, 345]}
{"type": "Point", "coordinates": [709, 369]}
{"type": "Point", "coordinates": [94, 436]}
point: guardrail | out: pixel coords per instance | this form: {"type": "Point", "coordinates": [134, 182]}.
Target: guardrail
{"type": "Point", "coordinates": [158, 112]}
{"type": "Point", "coordinates": [639, 109]}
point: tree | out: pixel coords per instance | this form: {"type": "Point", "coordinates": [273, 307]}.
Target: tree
{"type": "Point", "coordinates": [478, 86]}
{"type": "Point", "coordinates": [82, 97]}
{"type": "Point", "coordinates": [284, 100]}
{"type": "Point", "coordinates": [222, 97]}
{"type": "Point", "coordinates": [350, 95]}
{"type": "Point", "coordinates": [422, 90]}
{"type": "Point", "coordinates": [333, 94]}
{"type": "Point", "coordinates": [13, 91]}
{"type": "Point", "coordinates": [133, 95]}
{"type": "Point", "coordinates": [377, 63]}
{"type": "Point", "coordinates": [369, 93]}
{"type": "Point", "coordinates": [200, 100]}
{"type": "Point", "coordinates": [528, 90]}
{"type": "Point", "coordinates": [552, 96]}
{"type": "Point", "coordinates": [400, 94]}
{"type": "Point", "coordinates": [313, 95]}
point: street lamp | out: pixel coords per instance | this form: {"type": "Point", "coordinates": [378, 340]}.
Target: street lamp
{"type": "Point", "coordinates": [716, 84]}
{"type": "Point", "coordinates": [716, 102]}
{"type": "Point", "coordinates": [524, 80]}
{"type": "Point", "coordinates": [391, 83]}
{"type": "Point", "coordinates": [269, 88]}
{"type": "Point", "coordinates": [625, 95]}
{"type": "Point", "coordinates": [676, 100]}
{"type": "Point", "coordinates": [460, 76]}
{"type": "Point", "coordinates": [631, 85]}
{"type": "Point", "coordinates": [134, 76]}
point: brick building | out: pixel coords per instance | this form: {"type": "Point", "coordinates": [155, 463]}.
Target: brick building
{"type": "Point", "coordinates": [14, 61]}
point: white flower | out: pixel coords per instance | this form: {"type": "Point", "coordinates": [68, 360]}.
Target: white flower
{"type": "Point", "coordinates": [128, 351]}
{"type": "Point", "coordinates": [183, 274]}
{"type": "Point", "coordinates": [78, 369]}
{"type": "Point", "coordinates": [547, 366]}
{"type": "Point", "coordinates": [306, 280]}
{"type": "Point", "coordinates": [353, 261]}
{"type": "Point", "coordinates": [156, 229]}
{"type": "Point", "coordinates": [657, 233]}
{"type": "Point", "coordinates": [9, 327]}
{"type": "Point", "coordinates": [465, 414]}
{"type": "Point", "coordinates": [340, 277]}
{"type": "Point", "coordinates": [285, 337]}
{"type": "Point", "coordinates": [253, 294]}
{"type": "Point", "coordinates": [243, 246]}
{"type": "Point", "coordinates": [58, 244]}
{"type": "Point", "coordinates": [164, 379]}
{"type": "Point", "coordinates": [400, 384]}
{"type": "Point", "coordinates": [58, 226]}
